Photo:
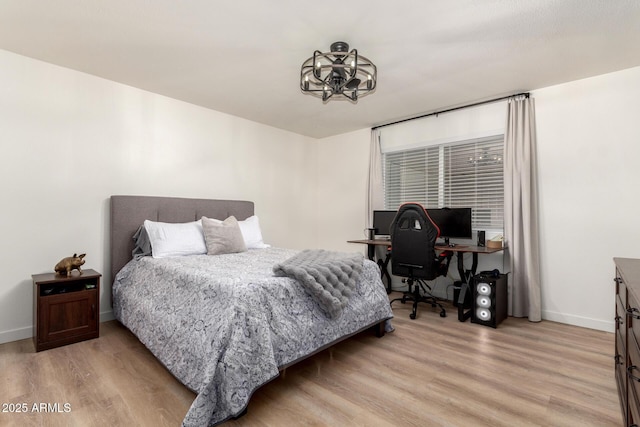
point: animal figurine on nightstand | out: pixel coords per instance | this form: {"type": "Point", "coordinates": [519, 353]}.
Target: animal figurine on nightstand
{"type": "Point", "coordinates": [68, 264]}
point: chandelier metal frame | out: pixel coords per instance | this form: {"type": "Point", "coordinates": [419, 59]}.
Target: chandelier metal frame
{"type": "Point", "coordinates": [339, 72]}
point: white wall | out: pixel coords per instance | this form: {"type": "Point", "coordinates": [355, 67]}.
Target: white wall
{"type": "Point", "coordinates": [589, 165]}
{"type": "Point", "coordinates": [343, 170]}
{"type": "Point", "coordinates": [589, 169]}
{"type": "Point", "coordinates": [70, 140]}
{"type": "Point", "coordinates": [459, 125]}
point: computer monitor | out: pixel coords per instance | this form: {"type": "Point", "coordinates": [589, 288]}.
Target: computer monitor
{"type": "Point", "coordinates": [453, 222]}
{"type": "Point", "coordinates": [382, 222]}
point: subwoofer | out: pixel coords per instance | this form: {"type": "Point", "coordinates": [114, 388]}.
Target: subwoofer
{"type": "Point", "coordinates": [489, 298]}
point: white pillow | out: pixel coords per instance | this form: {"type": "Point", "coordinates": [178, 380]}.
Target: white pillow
{"type": "Point", "coordinates": [171, 240]}
{"type": "Point", "coordinates": [251, 233]}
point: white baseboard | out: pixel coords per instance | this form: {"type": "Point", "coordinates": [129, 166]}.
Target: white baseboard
{"type": "Point", "coordinates": [585, 322]}
{"type": "Point", "coordinates": [27, 332]}
{"type": "Point", "coordinates": [16, 334]}
{"type": "Point", "coordinates": [105, 316]}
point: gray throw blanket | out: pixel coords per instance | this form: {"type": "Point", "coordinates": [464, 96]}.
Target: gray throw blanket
{"type": "Point", "coordinates": [329, 277]}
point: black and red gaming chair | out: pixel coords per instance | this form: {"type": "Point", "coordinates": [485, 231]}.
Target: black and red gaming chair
{"type": "Point", "coordinates": [413, 255]}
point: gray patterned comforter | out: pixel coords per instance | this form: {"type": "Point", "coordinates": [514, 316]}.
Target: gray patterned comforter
{"type": "Point", "coordinates": [224, 324]}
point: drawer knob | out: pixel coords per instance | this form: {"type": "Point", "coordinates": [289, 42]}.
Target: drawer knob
{"type": "Point", "coordinates": [633, 312]}
{"type": "Point", "coordinates": [630, 373]}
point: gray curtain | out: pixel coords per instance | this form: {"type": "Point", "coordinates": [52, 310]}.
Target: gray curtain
{"type": "Point", "coordinates": [521, 209]}
{"type": "Point", "coordinates": [375, 194]}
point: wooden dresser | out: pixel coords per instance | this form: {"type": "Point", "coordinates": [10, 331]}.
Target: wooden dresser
{"type": "Point", "coordinates": [627, 347]}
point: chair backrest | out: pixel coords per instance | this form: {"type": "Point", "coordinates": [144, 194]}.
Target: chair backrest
{"type": "Point", "coordinates": [413, 238]}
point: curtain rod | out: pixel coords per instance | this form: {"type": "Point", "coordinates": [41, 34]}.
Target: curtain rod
{"type": "Point", "coordinates": [525, 94]}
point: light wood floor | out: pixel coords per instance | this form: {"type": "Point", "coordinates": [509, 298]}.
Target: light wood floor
{"type": "Point", "coordinates": [431, 371]}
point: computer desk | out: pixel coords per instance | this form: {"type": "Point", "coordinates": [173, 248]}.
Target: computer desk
{"type": "Point", "coordinates": [371, 253]}
{"type": "Point", "coordinates": [458, 250]}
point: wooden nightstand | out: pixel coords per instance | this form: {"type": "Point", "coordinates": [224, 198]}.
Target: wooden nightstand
{"type": "Point", "coordinates": [65, 309]}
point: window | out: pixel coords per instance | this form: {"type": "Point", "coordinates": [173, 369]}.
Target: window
{"type": "Point", "coordinates": [461, 174]}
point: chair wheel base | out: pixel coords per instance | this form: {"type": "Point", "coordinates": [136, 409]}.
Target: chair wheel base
{"type": "Point", "coordinates": [415, 297]}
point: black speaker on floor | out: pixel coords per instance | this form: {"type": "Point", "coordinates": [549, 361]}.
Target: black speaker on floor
{"type": "Point", "coordinates": [490, 303]}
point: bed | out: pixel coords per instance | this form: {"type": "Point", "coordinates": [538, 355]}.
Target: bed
{"type": "Point", "coordinates": [226, 324]}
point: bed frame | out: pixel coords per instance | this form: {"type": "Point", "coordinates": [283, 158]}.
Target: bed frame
{"type": "Point", "coordinates": [129, 212]}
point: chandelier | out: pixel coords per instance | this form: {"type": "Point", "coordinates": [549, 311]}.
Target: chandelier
{"type": "Point", "coordinates": [485, 158]}
{"type": "Point", "coordinates": [338, 72]}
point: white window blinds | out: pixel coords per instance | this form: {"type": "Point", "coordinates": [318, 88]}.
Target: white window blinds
{"type": "Point", "coordinates": [460, 174]}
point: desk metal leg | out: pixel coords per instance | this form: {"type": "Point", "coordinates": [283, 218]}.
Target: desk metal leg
{"type": "Point", "coordinates": [474, 264]}
{"type": "Point", "coordinates": [463, 276]}
{"type": "Point", "coordinates": [384, 271]}
{"type": "Point", "coordinates": [371, 251]}
{"type": "Point", "coordinates": [462, 315]}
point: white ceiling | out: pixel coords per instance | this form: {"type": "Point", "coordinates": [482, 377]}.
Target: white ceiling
{"type": "Point", "coordinates": [243, 57]}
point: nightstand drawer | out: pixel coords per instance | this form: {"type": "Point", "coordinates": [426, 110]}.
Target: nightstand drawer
{"type": "Point", "coordinates": [67, 315]}
{"type": "Point", "coordinates": [66, 309]}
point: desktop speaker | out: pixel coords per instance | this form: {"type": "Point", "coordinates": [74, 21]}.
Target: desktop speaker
{"type": "Point", "coordinates": [481, 241]}
{"type": "Point", "coordinates": [489, 298]}
{"type": "Point", "coordinates": [371, 233]}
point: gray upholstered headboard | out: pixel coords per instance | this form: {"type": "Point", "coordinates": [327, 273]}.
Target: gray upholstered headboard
{"type": "Point", "coordinates": [129, 212]}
